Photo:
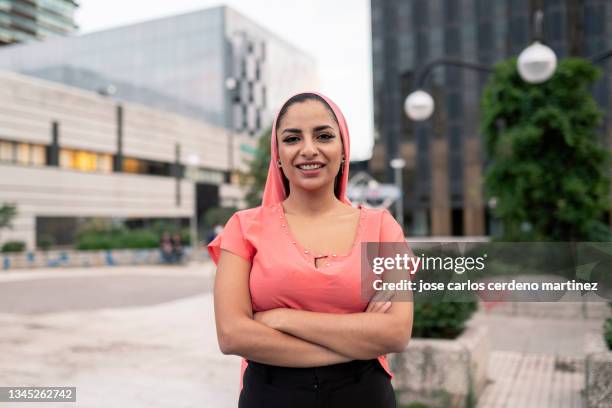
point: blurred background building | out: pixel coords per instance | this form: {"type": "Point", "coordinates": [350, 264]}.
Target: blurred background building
{"type": "Point", "coordinates": [68, 155]}
{"type": "Point", "coordinates": [151, 121]}
{"type": "Point", "coordinates": [213, 65]}
{"type": "Point", "coordinates": [31, 20]}
{"type": "Point", "coordinates": [445, 159]}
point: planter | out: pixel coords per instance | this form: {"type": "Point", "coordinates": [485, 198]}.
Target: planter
{"type": "Point", "coordinates": [443, 373]}
{"type": "Point", "coordinates": [86, 258]}
{"type": "Point", "coordinates": [598, 372]}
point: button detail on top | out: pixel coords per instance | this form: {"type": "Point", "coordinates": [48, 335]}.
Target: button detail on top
{"type": "Point", "coordinates": [306, 251]}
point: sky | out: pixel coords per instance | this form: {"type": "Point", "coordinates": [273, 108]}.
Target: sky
{"type": "Point", "coordinates": [336, 33]}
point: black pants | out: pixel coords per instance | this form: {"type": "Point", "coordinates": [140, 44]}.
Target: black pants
{"type": "Point", "coordinates": [356, 384]}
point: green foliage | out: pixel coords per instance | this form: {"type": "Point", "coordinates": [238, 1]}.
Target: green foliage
{"type": "Point", "coordinates": [258, 170]}
{"type": "Point", "coordinates": [415, 405]}
{"type": "Point", "coordinates": [218, 215]}
{"type": "Point", "coordinates": [8, 212]}
{"type": "Point", "coordinates": [13, 246]}
{"type": "Point", "coordinates": [608, 332]}
{"type": "Point", "coordinates": [607, 329]}
{"type": "Point", "coordinates": [548, 167]}
{"type": "Point", "coordinates": [101, 234]}
{"type": "Point", "coordinates": [442, 320]}
{"type": "Point", "coordinates": [45, 241]}
{"type": "Point", "coordinates": [118, 238]}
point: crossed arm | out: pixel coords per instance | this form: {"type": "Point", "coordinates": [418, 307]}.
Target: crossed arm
{"type": "Point", "coordinates": [295, 338]}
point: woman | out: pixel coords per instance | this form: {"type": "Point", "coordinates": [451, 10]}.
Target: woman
{"type": "Point", "coordinates": [288, 284]}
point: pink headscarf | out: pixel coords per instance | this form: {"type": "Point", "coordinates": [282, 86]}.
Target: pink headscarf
{"type": "Point", "coordinates": [274, 191]}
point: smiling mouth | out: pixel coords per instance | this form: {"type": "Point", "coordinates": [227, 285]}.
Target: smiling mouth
{"type": "Point", "coordinates": [309, 166]}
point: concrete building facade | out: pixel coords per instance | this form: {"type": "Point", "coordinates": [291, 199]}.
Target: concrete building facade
{"type": "Point", "coordinates": [67, 153]}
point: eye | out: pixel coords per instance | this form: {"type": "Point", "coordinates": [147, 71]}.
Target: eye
{"type": "Point", "coordinates": [291, 139]}
{"type": "Point", "coordinates": [326, 136]}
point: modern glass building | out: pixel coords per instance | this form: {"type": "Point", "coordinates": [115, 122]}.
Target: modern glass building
{"type": "Point", "coordinates": [23, 21]}
{"type": "Point", "coordinates": [213, 65]}
{"type": "Point", "coordinates": [445, 160]}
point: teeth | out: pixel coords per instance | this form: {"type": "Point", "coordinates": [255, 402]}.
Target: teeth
{"type": "Point", "coordinates": [310, 166]}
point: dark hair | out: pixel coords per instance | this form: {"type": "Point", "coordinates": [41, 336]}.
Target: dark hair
{"type": "Point", "coordinates": [300, 98]}
{"type": "Point", "coordinates": [303, 97]}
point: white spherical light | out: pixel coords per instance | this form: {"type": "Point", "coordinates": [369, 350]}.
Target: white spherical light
{"type": "Point", "coordinates": [419, 105]}
{"type": "Point", "coordinates": [537, 63]}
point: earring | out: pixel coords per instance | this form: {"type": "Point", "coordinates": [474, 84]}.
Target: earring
{"type": "Point", "coordinates": [279, 163]}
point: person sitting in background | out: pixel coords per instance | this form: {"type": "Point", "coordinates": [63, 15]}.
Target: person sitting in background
{"type": "Point", "coordinates": [177, 248]}
{"type": "Point", "coordinates": [166, 248]}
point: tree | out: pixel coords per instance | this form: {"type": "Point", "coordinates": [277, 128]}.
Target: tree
{"type": "Point", "coordinates": [548, 169]}
{"type": "Point", "coordinates": [258, 170]}
{"type": "Point", "coordinates": [8, 212]}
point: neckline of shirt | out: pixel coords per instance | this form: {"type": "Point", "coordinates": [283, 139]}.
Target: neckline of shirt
{"type": "Point", "coordinates": [308, 254]}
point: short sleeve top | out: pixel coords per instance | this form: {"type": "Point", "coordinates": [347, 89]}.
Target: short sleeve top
{"type": "Point", "coordinates": [283, 274]}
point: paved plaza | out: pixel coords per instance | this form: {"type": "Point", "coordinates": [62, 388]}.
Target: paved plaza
{"type": "Point", "coordinates": [145, 337]}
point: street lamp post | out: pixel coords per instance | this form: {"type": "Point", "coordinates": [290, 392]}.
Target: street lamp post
{"type": "Point", "coordinates": [398, 165]}
{"type": "Point", "coordinates": [536, 64]}
{"type": "Point", "coordinates": [230, 85]}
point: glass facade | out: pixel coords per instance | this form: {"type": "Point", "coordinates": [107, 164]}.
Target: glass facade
{"type": "Point", "coordinates": [32, 20]}
{"type": "Point", "coordinates": [406, 35]}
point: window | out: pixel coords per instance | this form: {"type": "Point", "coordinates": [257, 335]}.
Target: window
{"type": "Point", "coordinates": [131, 165]}
{"type": "Point", "coordinates": [6, 152]}
{"type": "Point", "coordinates": [454, 105]}
{"type": "Point", "coordinates": [150, 167]}
{"type": "Point", "coordinates": [85, 160]}
{"type": "Point", "coordinates": [22, 153]}
{"type": "Point", "coordinates": [105, 163]}
{"type": "Point", "coordinates": [452, 11]}
{"type": "Point", "coordinates": [38, 155]}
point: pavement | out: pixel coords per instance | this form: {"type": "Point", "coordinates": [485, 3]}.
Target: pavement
{"type": "Point", "coordinates": [145, 336]}
{"type": "Point", "coordinates": [121, 353]}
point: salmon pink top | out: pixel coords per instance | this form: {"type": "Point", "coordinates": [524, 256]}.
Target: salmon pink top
{"type": "Point", "coordinates": [283, 273]}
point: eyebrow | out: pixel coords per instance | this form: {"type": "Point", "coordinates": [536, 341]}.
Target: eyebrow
{"type": "Point", "coordinates": [317, 129]}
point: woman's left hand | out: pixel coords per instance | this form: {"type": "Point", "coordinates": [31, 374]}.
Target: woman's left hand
{"type": "Point", "coordinates": [272, 318]}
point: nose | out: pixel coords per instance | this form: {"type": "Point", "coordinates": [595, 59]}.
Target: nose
{"type": "Point", "coordinates": [309, 149]}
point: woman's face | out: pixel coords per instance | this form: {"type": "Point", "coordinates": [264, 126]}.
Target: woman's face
{"type": "Point", "coordinates": [309, 146]}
